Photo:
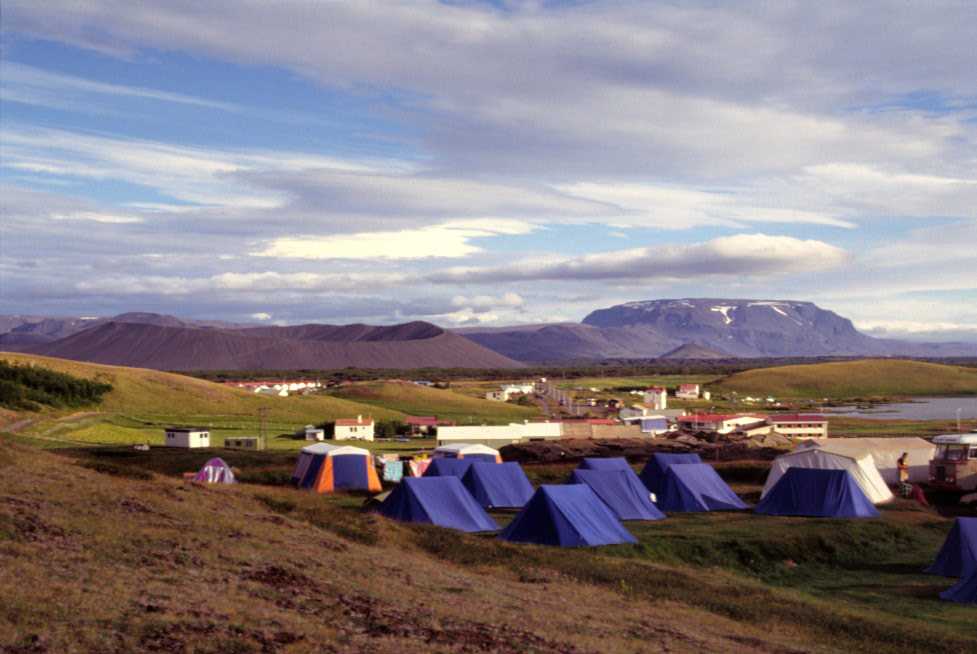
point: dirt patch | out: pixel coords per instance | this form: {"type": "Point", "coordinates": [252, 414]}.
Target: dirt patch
{"type": "Point", "coordinates": [282, 579]}
{"type": "Point", "coordinates": [177, 637]}
{"type": "Point", "coordinates": [376, 620]}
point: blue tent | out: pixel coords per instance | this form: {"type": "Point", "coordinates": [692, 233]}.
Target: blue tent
{"type": "Point", "coordinates": [653, 474]}
{"type": "Point", "coordinates": [498, 485]}
{"type": "Point", "coordinates": [958, 556]}
{"type": "Point", "coordinates": [817, 493]}
{"type": "Point", "coordinates": [622, 491]}
{"type": "Point", "coordinates": [441, 501]}
{"type": "Point", "coordinates": [696, 487]}
{"type": "Point", "coordinates": [609, 463]}
{"type": "Point", "coordinates": [447, 468]}
{"type": "Point", "coordinates": [566, 516]}
{"type": "Point", "coordinates": [965, 590]}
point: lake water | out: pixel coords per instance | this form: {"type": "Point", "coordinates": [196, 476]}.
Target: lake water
{"type": "Point", "coordinates": [922, 408]}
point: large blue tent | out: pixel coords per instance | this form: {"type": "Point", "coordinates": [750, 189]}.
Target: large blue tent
{"type": "Point", "coordinates": [607, 463]}
{"type": "Point", "coordinates": [964, 591]}
{"type": "Point", "coordinates": [817, 493]}
{"type": "Point", "coordinates": [622, 491]}
{"type": "Point", "coordinates": [958, 556]}
{"type": "Point", "coordinates": [566, 516]}
{"type": "Point", "coordinates": [498, 485]}
{"type": "Point", "coordinates": [653, 474]}
{"type": "Point", "coordinates": [696, 487]}
{"type": "Point", "coordinates": [448, 468]}
{"type": "Point", "coordinates": [441, 501]}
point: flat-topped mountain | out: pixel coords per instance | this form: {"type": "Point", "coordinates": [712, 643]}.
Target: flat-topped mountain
{"type": "Point", "coordinates": [697, 328]}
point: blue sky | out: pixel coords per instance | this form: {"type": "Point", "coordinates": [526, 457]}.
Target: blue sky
{"type": "Point", "coordinates": [489, 162]}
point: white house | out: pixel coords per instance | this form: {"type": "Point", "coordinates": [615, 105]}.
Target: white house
{"type": "Point", "coordinates": [508, 390]}
{"type": "Point", "coordinates": [687, 392]}
{"type": "Point", "coordinates": [313, 433]}
{"type": "Point", "coordinates": [189, 437]}
{"type": "Point", "coordinates": [799, 426]}
{"type": "Point", "coordinates": [717, 422]}
{"type": "Point", "coordinates": [358, 428]}
{"type": "Point", "coordinates": [656, 398]}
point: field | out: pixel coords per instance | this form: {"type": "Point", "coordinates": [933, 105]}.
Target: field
{"type": "Point", "coordinates": [116, 558]}
{"type": "Point", "coordinates": [413, 399]}
{"type": "Point", "coordinates": [869, 378]}
{"type": "Point", "coordinates": [142, 402]}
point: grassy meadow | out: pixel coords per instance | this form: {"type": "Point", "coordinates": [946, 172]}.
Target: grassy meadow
{"type": "Point", "coordinates": [447, 404]}
{"type": "Point", "coordinates": [143, 402]}
{"type": "Point", "coordinates": [867, 378]}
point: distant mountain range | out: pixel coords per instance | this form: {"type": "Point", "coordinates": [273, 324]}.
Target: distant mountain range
{"type": "Point", "coordinates": [168, 343]}
{"type": "Point", "coordinates": [702, 328]}
{"type": "Point", "coordinates": [671, 329]}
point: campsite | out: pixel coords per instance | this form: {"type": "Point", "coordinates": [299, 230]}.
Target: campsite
{"type": "Point", "coordinates": [721, 544]}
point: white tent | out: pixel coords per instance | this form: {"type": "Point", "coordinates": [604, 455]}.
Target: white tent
{"type": "Point", "coordinates": [462, 450]}
{"type": "Point", "coordinates": [860, 466]}
{"type": "Point", "coordinates": [885, 452]}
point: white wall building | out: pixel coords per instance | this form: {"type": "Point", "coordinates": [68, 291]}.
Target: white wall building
{"type": "Point", "coordinates": [313, 433]}
{"type": "Point", "coordinates": [359, 429]}
{"type": "Point", "coordinates": [687, 392]}
{"type": "Point", "coordinates": [188, 437]}
{"type": "Point", "coordinates": [508, 390]}
{"type": "Point", "coordinates": [799, 426]}
{"type": "Point", "coordinates": [656, 398]}
{"type": "Point", "coordinates": [717, 422]}
{"type": "Point", "coordinates": [499, 435]}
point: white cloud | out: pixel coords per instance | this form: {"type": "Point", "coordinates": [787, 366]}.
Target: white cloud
{"type": "Point", "coordinates": [261, 315]}
{"type": "Point", "coordinates": [488, 301]}
{"type": "Point", "coordinates": [98, 217]}
{"type": "Point", "coordinates": [743, 254]}
{"type": "Point", "coordinates": [448, 240]}
{"type": "Point", "coordinates": [31, 85]}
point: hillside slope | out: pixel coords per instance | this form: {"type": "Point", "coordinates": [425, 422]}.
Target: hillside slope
{"type": "Point", "coordinates": [447, 405]}
{"type": "Point", "coordinates": [189, 348]}
{"type": "Point", "coordinates": [98, 562]}
{"type": "Point", "coordinates": [870, 377]}
{"type": "Point", "coordinates": [144, 400]}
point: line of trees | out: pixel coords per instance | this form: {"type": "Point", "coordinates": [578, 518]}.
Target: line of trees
{"type": "Point", "coordinates": [29, 388]}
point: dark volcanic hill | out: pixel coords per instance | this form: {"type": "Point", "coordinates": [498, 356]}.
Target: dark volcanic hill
{"type": "Point", "coordinates": [164, 347]}
{"type": "Point", "coordinates": [731, 328]}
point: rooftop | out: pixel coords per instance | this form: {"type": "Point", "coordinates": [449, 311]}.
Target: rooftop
{"type": "Point", "coordinates": [353, 422]}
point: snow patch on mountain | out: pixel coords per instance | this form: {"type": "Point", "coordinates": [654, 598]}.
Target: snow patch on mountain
{"type": "Point", "coordinates": [724, 309]}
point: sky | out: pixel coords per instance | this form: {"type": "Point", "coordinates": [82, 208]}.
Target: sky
{"type": "Point", "coordinates": [489, 163]}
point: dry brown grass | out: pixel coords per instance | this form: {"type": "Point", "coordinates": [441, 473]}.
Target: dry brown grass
{"type": "Point", "coordinates": [91, 562]}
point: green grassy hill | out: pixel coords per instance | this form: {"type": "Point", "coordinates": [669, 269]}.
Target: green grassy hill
{"type": "Point", "coordinates": [143, 401]}
{"type": "Point", "coordinates": [93, 560]}
{"type": "Point", "coordinates": [425, 401]}
{"type": "Point", "coordinates": [849, 379]}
